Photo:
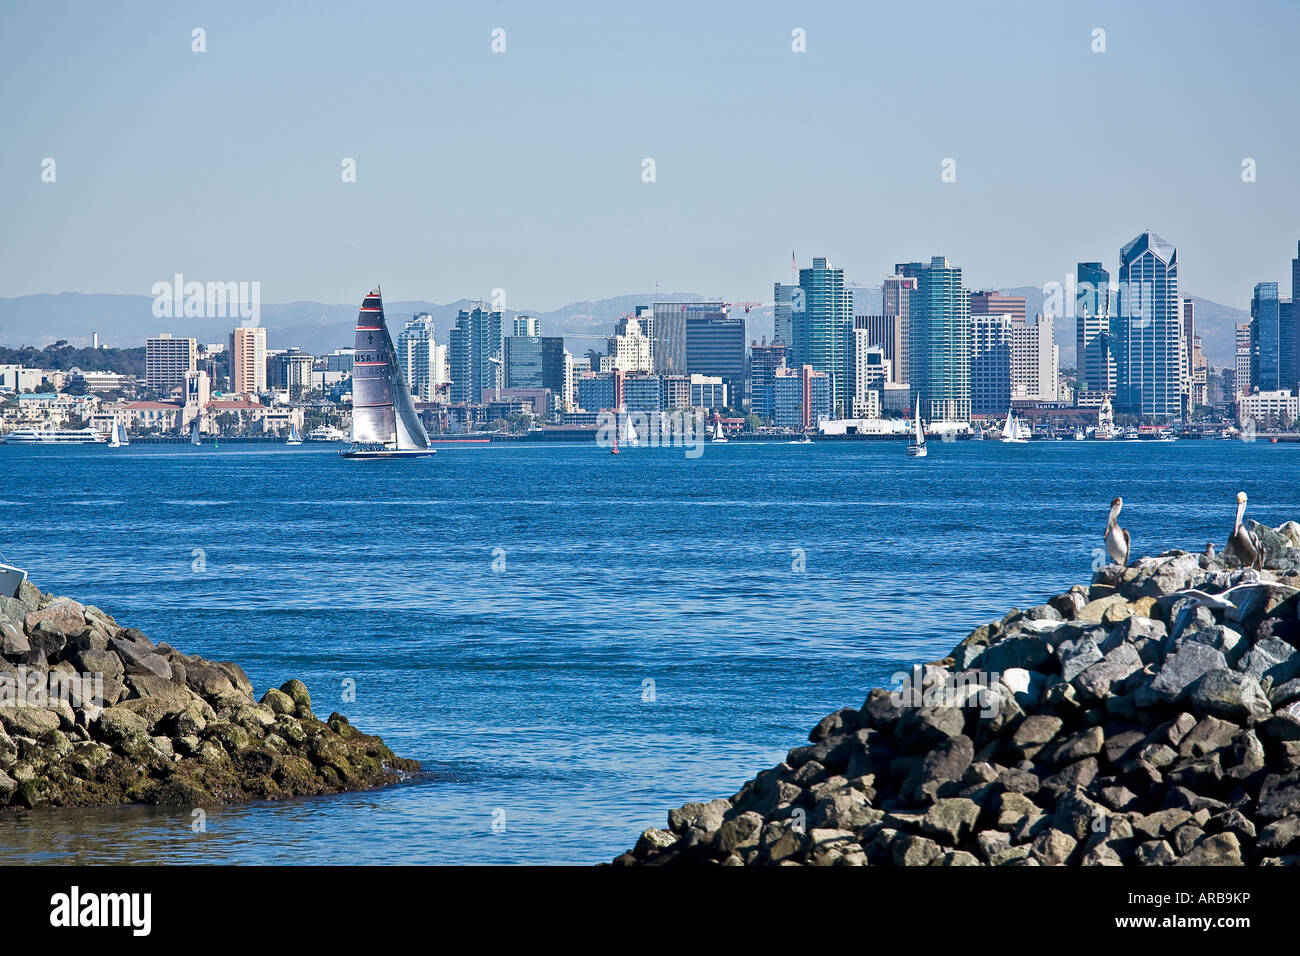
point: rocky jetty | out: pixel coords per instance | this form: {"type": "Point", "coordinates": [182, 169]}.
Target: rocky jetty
{"type": "Point", "coordinates": [1125, 723]}
{"type": "Point", "coordinates": [95, 714]}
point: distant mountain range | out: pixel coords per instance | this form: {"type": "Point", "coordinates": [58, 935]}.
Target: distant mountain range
{"type": "Point", "coordinates": [127, 320]}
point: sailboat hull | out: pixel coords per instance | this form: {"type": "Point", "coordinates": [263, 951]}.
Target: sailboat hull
{"type": "Point", "coordinates": [917, 451]}
{"type": "Point", "coordinates": [378, 453]}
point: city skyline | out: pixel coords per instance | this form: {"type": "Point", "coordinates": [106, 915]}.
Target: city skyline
{"type": "Point", "coordinates": [248, 186]}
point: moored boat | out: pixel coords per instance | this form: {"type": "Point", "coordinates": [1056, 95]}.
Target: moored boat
{"type": "Point", "coordinates": [29, 435]}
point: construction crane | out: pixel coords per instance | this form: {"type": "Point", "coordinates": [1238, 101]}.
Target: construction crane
{"type": "Point", "coordinates": [747, 305]}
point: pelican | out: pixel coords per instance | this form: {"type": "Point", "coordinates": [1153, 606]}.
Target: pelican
{"type": "Point", "coordinates": [1116, 537]}
{"type": "Point", "coordinates": [1209, 551]}
{"type": "Point", "coordinates": [1243, 545]}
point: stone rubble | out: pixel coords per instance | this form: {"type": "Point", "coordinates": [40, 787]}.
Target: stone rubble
{"type": "Point", "coordinates": [1123, 723]}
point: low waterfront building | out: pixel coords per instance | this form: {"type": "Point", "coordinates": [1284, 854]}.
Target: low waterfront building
{"type": "Point", "coordinates": [1276, 408]}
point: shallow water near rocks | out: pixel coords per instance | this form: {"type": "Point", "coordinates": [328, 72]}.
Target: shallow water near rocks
{"type": "Point", "coordinates": [758, 587]}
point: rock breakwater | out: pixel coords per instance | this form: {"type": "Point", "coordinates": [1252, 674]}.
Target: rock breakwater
{"type": "Point", "coordinates": [1150, 718]}
{"type": "Point", "coordinates": [94, 714]}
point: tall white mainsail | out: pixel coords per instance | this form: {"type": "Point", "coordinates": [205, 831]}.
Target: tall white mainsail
{"type": "Point", "coordinates": [383, 412]}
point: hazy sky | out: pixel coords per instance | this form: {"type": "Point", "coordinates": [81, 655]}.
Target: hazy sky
{"type": "Point", "coordinates": [522, 170]}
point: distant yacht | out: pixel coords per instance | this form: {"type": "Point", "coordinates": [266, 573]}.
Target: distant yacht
{"type": "Point", "coordinates": [195, 438]}
{"type": "Point", "coordinates": [629, 432]}
{"type": "Point", "coordinates": [325, 433]}
{"type": "Point", "coordinates": [1078, 434]}
{"type": "Point", "coordinates": [916, 447]}
{"type": "Point", "coordinates": [717, 431]}
{"type": "Point", "coordinates": [384, 420]}
{"type": "Point", "coordinates": [1105, 430]}
{"type": "Point", "coordinates": [30, 435]}
{"type": "Point", "coordinates": [118, 438]}
{"type": "Point", "coordinates": [294, 437]}
{"type": "Point", "coordinates": [1014, 430]}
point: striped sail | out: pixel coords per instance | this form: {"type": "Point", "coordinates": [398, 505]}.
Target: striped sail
{"type": "Point", "coordinates": [382, 410]}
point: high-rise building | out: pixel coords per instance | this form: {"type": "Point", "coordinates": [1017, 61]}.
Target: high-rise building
{"type": "Point", "coordinates": [990, 364]}
{"type": "Point", "coordinates": [1200, 376]}
{"type": "Point", "coordinates": [1035, 361]}
{"type": "Point", "coordinates": [764, 360]}
{"type": "Point", "coordinates": [539, 361]}
{"type": "Point", "coordinates": [167, 359]}
{"type": "Point", "coordinates": [475, 354]}
{"type": "Point", "coordinates": [896, 301]}
{"type": "Point", "coordinates": [526, 325]}
{"type": "Point", "coordinates": [800, 397]}
{"type": "Point", "coordinates": [1149, 338]}
{"type": "Point", "coordinates": [1094, 358]}
{"type": "Point", "coordinates": [248, 360]}
{"type": "Point", "coordinates": [1289, 346]}
{"type": "Point", "coordinates": [1266, 338]}
{"type": "Point", "coordinates": [1243, 363]}
{"type": "Point", "coordinates": [1187, 363]}
{"type": "Point", "coordinates": [785, 298]}
{"type": "Point", "coordinates": [715, 345]}
{"type": "Point", "coordinates": [290, 371]}
{"type": "Point", "coordinates": [995, 303]}
{"type": "Point", "coordinates": [882, 330]}
{"type": "Point", "coordinates": [868, 370]}
{"type": "Point", "coordinates": [596, 391]}
{"type": "Point", "coordinates": [668, 346]}
{"type": "Point", "coordinates": [674, 392]}
{"type": "Point", "coordinates": [820, 330]}
{"type": "Point", "coordinates": [940, 343]}
{"type": "Point", "coordinates": [628, 349]}
{"type": "Point", "coordinates": [422, 360]}
{"type": "Point", "coordinates": [1295, 318]}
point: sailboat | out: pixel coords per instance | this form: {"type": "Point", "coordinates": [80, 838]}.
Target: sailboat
{"type": "Point", "coordinates": [717, 431]}
{"type": "Point", "coordinates": [916, 447]}
{"type": "Point", "coordinates": [294, 437]}
{"type": "Point", "coordinates": [194, 433]}
{"type": "Point", "coordinates": [629, 432]}
{"type": "Point", "coordinates": [1013, 430]}
{"type": "Point", "coordinates": [384, 421]}
{"type": "Point", "coordinates": [118, 438]}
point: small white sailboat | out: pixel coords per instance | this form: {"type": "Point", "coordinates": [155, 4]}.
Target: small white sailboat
{"type": "Point", "coordinates": [916, 447]}
{"type": "Point", "coordinates": [118, 437]}
{"type": "Point", "coordinates": [717, 431]}
{"type": "Point", "coordinates": [1078, 434]}
{"type": "Point", "coordinates": [1013, 430]}
{"type": "Point", "coordinates": [629, 432]}
{"type": "Point", "coordinates": [295, 438]}
{"type": "Point", "coordinates": [194, 433]}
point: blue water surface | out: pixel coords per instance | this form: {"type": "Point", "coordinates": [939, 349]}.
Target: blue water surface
{"type": "Point", "coordinates": [571, 642]}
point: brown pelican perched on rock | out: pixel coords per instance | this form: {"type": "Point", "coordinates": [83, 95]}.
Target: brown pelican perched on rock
{"type": "Point", "coordinates": [1243, 544]}
{"type": "Point", "coordinates": [1116, 537]}
{"type": "Point", "coordinates": [1209, 551]}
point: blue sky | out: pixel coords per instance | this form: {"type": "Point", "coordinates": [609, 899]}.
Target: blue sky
{"type": "Point", "coordinates": [522, 170]}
